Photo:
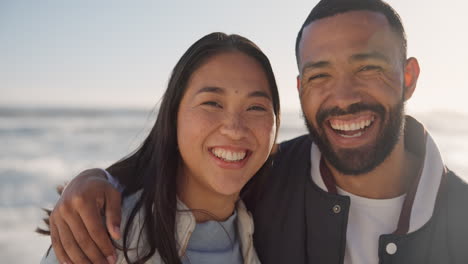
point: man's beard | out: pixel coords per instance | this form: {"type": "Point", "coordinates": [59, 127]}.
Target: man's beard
{"type": "Point", "coordinates": [355, 161]}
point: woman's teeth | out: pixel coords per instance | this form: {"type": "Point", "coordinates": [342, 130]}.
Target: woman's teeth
{"type": "Point", "coordinates": [229, 155]}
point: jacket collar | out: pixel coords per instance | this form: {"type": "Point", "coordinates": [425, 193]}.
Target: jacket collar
{"type": "Point", "coordinates": [420, 200]}
{"type": "Point", "coordinates": [185, 224]}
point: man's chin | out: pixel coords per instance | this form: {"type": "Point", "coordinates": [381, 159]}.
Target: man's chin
{"type": "Point", "coordinates": [353, 161]}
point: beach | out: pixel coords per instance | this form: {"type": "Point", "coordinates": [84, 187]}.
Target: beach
{"type": "Point", "coordinates": [44, 147]}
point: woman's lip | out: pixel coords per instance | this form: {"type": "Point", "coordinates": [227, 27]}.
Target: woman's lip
{"type": "Point", "coordinates": [231, 164]}
{"type": "Point", "coordinates": [230, 148]}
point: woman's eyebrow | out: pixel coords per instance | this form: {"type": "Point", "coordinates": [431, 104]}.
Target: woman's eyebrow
{"type": "Point", "coordinates": [219, 90]}
{"type": "Point", "coordinates": [211, 89]}
{"type": "Point", "coordinates": [259, 94]}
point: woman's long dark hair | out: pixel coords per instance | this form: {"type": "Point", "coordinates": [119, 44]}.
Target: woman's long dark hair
{"type": "Point", "coordinates": [153, 167]}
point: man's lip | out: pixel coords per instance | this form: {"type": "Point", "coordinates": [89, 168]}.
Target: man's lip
{"type": "Point", "coordinates": [352, 117]}
{"type": "Point", "coordinates": [351, 136]}
{"type": "Point", "coordinates": [351, 123]}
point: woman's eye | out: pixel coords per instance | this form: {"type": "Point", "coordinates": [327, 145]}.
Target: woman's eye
{"type": "Point", "coordinates": [212, 103]}
{"type": "Point", "coordinates": [257, 108]}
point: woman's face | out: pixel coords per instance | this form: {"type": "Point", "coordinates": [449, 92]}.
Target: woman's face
{"type": "Point", "coordinates": [226, 125]}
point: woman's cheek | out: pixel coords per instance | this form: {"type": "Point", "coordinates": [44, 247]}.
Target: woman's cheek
{"type": "Point", "coordinates": [264, 128]}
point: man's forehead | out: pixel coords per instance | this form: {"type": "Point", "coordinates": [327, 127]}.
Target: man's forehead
{"type": "Point", "coordinates": [371, 19]}
{"type": "Point", "coordinates": [345, 32]}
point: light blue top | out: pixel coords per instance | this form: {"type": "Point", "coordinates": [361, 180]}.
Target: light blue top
{"type": "Point", "coordinates": [214, 242]}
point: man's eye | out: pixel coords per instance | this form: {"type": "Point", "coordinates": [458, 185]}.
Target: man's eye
{"type": "Point", "coordinates": [212, 103]}
{"type": "Point", "coordinates": [318, 76]}
{"type": "Point", "coordinates": [370, 68]}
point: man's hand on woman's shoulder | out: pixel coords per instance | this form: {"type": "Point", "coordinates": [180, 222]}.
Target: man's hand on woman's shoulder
{"type": "Point", "coordinates": [76, 224]}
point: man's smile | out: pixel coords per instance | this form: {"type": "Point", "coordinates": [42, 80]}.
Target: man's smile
{"type": "Point", "coordinates": [352, 127]}
{"type": "Point", "coordinates": [350, 131]}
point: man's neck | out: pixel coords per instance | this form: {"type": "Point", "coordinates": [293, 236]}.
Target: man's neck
{"type": "Point", "coordinates": [388, 180]}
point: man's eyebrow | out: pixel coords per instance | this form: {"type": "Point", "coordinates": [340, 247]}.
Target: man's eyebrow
{"type": "Point", "coordinates": [314, 65]}
{"type": "Point", "coordinates": [370, 55]}
{"type": "Point", "coordinates": [211, 89]}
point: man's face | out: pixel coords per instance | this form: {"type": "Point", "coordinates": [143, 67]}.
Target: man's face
{"type": "Point", "coordinates": [352, 88]}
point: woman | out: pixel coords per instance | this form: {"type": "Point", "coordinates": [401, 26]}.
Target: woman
{"type": "Point", "coordinates": [215, 129]}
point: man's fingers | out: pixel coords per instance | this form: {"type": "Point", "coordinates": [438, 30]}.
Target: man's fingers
{"type": "Point", "coordinates": [85, 242]}
{"type": "Point", "coordinates": [113, 212]}
{"type": "Point", "coordinates": [69, 244]}
{"type": "Point", "coordinates": [60, 253]}
{"type": "Point", "coordinates": [93, 222]}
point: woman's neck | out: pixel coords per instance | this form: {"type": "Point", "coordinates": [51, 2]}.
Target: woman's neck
{"type": "Point", "coordinates": [205, 205]}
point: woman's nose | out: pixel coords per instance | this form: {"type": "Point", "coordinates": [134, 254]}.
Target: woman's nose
{"type": "Point", "coordinates": [233, 126]}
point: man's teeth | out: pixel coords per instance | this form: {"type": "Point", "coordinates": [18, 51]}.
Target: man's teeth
{"type": "Point", "coordinates": [350, 126]}
{"type": "Point", "coordinates": [228, 155]}
{"type": "Point", "coordinates": [352, 136]}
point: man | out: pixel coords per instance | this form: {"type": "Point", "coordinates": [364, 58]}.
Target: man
{"type": "Point", "coordinates": [367, 185]}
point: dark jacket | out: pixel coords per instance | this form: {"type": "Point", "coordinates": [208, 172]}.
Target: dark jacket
{"type": "Point", "coordinates": [298, 222]}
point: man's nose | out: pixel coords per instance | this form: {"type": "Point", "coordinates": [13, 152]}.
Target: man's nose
{"type": "Point", "coordinates": [347, 91]}
{"type": "Point", "coordinates": [234, 126]}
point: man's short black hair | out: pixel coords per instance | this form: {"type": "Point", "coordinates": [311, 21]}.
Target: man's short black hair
{"type": "Point", "coordinates": [328, 8]}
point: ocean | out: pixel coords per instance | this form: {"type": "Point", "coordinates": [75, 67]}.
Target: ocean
{"type": "Point", "coordinates": [44, 147]}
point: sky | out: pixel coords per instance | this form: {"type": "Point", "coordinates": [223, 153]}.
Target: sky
{"type": "Point", "coordinates": [120, 53]}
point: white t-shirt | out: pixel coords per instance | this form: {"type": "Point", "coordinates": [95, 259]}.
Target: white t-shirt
{"type": "Point", "coordinates": [368, 219]}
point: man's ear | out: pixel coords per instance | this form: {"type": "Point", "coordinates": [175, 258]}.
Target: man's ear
{"type": "Point", "coordinates": [411, 77]}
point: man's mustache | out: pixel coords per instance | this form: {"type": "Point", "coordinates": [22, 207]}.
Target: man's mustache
{"type": "Point", "coordinates": [323, 114]}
